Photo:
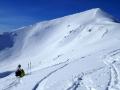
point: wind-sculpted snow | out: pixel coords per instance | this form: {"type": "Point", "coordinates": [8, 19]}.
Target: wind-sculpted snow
{"type": "Point", "coordinates": [89, 40]}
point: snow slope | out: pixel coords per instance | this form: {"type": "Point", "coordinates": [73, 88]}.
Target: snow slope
{"type": "Point", "coordinates": [75, 52]}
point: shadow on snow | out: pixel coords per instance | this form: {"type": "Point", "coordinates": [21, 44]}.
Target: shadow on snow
{"type": "Point", "coordinates": [4, 74]}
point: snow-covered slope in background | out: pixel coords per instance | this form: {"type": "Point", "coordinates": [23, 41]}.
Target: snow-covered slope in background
{"type": "Point", "coordinates": [75, 52]}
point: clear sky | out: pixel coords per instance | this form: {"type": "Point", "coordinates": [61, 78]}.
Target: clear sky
{"type": "Point", "coordinates": [18, 13]}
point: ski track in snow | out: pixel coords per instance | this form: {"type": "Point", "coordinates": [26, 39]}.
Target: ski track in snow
{"type": "Point", "coordinates": [16, 81]}
{"type": "Point", "coordinates": [12, 84]}
{"type": "Point", "coordinates": [114, 73]}
{"type": "Point", "coordinates": [109, 82]}
{"type": "Point", "coordinates": [112, 84]}
{"type": "Point", "coordinates": [76, 83]}
{"type": "Point", "coordinates": [37, 85]}
{"type": "Point", "coordinates": [112, 53]}
{"type": "Point", "coordinates": [104, 33]}
{"type": "Point", "coordinates": [114, 78]}
{"type": "Point", "coordinates": [50, 66]}
{"type": "Point", "coordinates": [114, 81]}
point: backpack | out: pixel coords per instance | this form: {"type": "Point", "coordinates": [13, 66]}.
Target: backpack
{"type": "Point", "coordinates": [20, 73]}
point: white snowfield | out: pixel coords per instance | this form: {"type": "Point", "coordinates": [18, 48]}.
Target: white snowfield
{"type": "Point", "coordinates": [75, 52]}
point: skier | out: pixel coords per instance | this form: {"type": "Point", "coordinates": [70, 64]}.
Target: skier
{"type": "Point", "coordinates": [19, 72]}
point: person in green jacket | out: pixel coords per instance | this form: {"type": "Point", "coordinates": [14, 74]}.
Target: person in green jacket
{"type": "Point", "coordinates": [19, 72]}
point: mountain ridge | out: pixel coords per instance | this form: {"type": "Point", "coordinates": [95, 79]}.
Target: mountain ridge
{"type": "Point", "coordinates": [94, 12]}
{"type": "Point", "coordinates": [61, 32]}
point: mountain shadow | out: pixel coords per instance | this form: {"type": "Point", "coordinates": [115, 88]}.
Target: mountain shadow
{"type": "Point", "coordinates": [7, 40]}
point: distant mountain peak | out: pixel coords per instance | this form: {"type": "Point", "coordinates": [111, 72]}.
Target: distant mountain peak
{"type": "Point", "coordinates": [99, 13]}
{"type": "Point", "coordinates": [96, 10]}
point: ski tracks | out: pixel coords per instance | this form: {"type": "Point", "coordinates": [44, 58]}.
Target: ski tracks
{"type": "Point", "coordinates": [113, 84]}
{"type": "Point", "coordinates": [49, 74]}
{"type": "Point", "coordinates": [14, 83]}
{"type": "Point", "coordinates": [114, 81]}
{"type": "Point", "coordinates": [76, 83]}
{"type": "Point", "coordinates": [79, 79]}
{"type": "Point", "coordinates": [114, 78]}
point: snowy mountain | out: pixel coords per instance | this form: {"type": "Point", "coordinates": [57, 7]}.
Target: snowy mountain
{"type": "Point", "coordinates": [75, 52]}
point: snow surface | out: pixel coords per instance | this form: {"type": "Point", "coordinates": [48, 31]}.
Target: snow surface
{"type": "Point", "coordinates": [75, 52]}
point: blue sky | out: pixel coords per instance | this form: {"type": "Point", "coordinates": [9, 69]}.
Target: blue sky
{"type": "Point", "coordinates": [18, 13]}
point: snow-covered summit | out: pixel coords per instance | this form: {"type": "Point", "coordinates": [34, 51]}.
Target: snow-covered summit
{"type": "Point", "coordinates": [80, 46]}
{"type": "Point", "coordinates": [91, 14]}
